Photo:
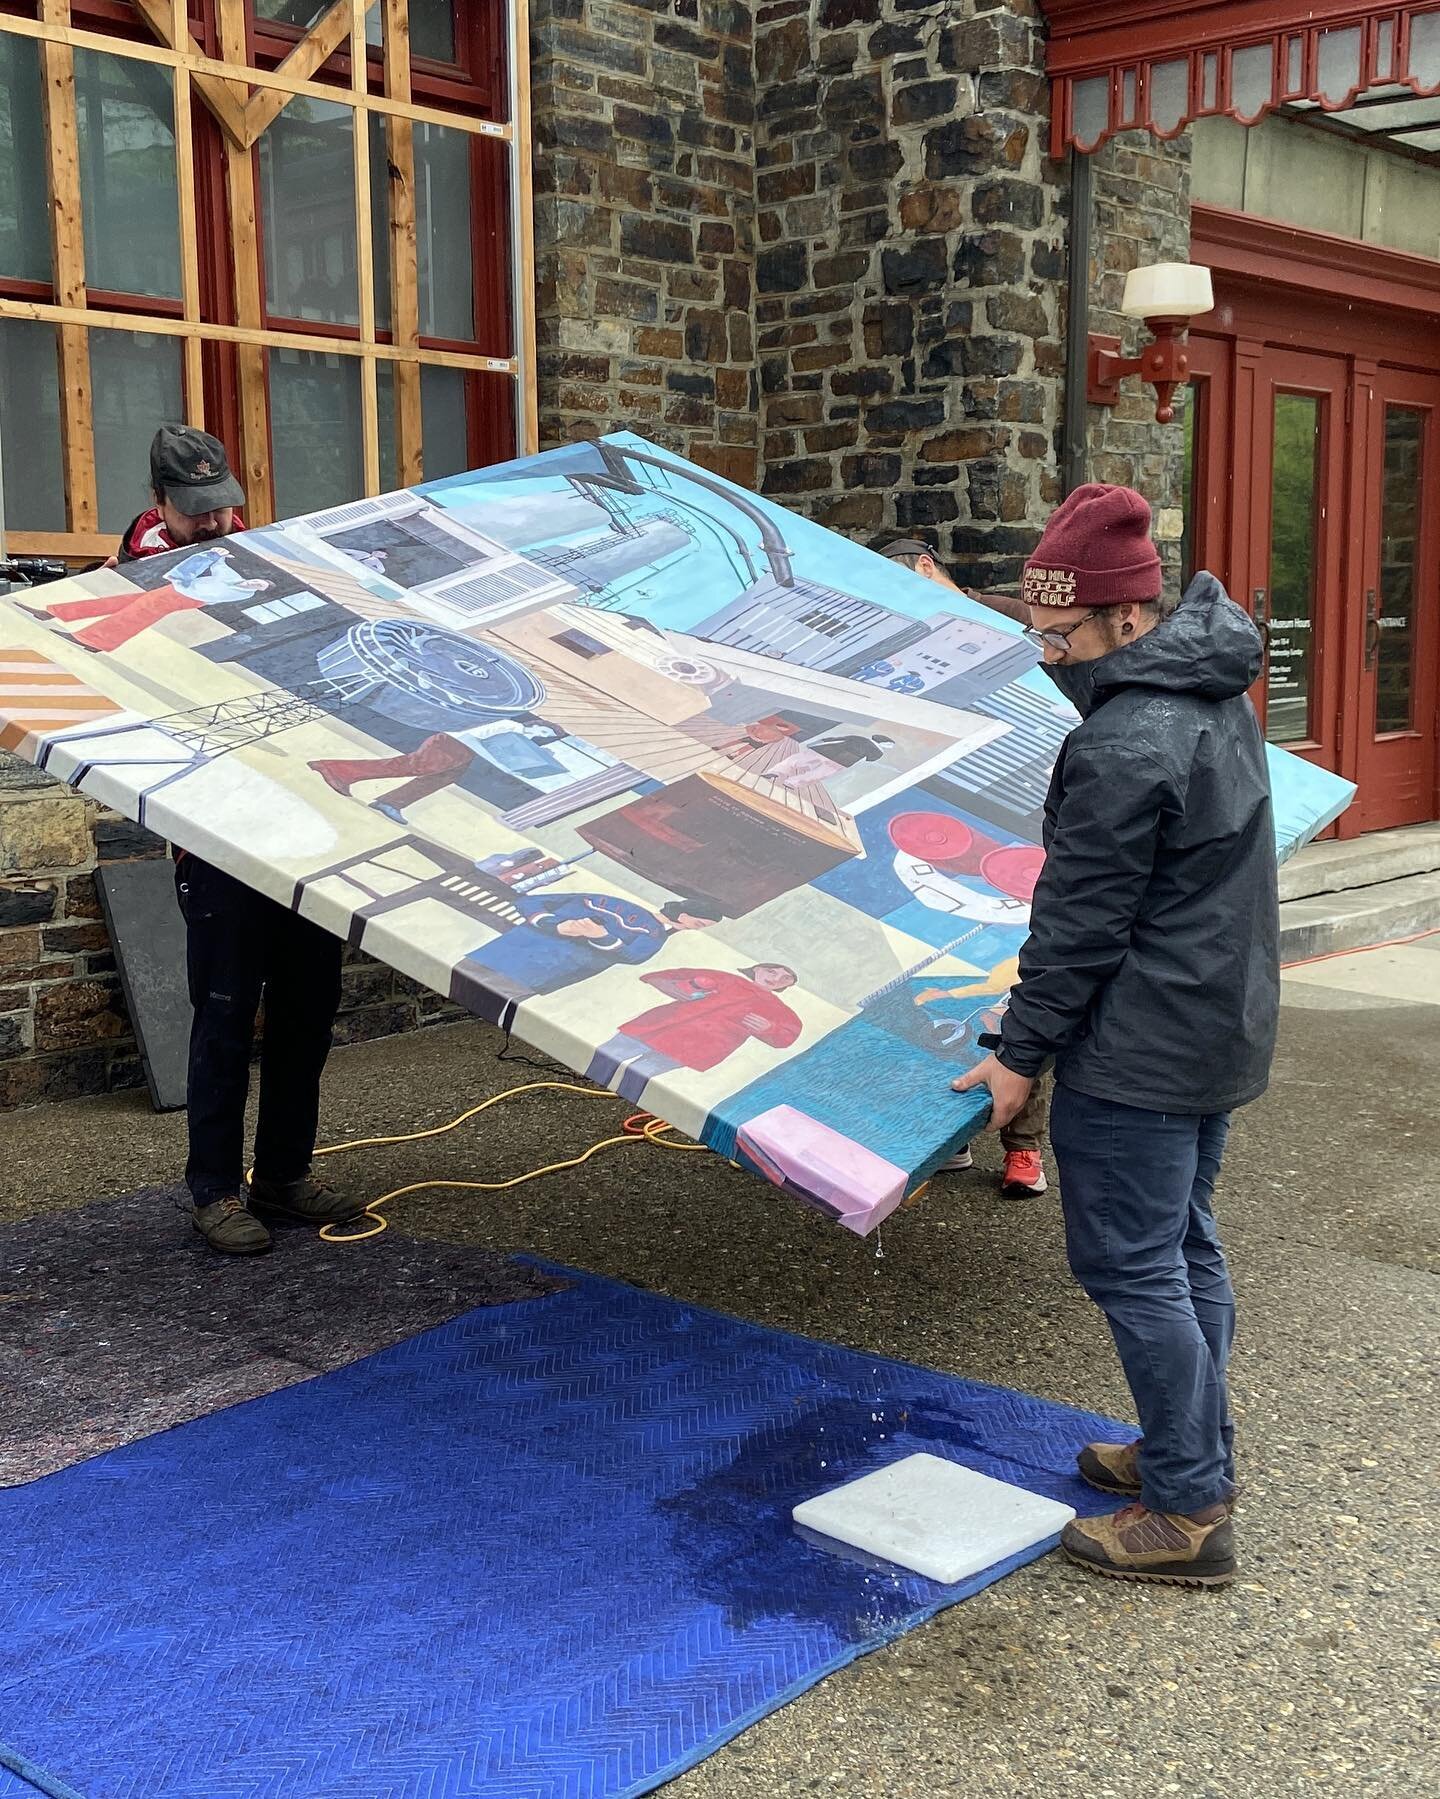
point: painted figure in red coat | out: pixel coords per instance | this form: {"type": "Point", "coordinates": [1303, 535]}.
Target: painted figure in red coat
{"type": "Point", "coordinates": [709, 1015]}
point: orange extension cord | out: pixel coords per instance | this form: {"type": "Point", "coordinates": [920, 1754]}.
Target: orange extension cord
{"type": "Point", "coordinates": [639, 1127]}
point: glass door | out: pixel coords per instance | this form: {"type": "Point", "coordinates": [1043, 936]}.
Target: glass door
{"type": "Point", "coordinates": [1297, 547]}
{"type": "Point", "coordinates": [1395, 679]}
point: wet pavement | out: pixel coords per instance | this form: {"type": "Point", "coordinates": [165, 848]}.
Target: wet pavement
{"type": "Point", "coordinates": [1315, 1672]}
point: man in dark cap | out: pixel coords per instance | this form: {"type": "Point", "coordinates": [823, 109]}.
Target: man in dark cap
{"type": "Point", "coordinates": [920, 557]}
{"type": "Point", "coordinates": [241, 946]}
{"type": "Point", "coordinates": [1022, 1174]}
{"type": "Point", "coordinates": [196, 498]}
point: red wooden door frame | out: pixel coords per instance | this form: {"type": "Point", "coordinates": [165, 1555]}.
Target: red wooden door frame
{"type": "Point", "coordinates": [1398, 771]}
{"type": "Point", "coordinates": [1212, 465]}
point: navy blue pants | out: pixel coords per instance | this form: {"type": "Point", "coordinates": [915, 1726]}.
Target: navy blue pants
{"type": "Point", "coordinates": [240, 946]}
{"type": "Point", "coordinates": [1137, 1188]}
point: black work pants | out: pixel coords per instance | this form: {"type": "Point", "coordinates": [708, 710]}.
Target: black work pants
{"type": "Point", "coordinates": [241, 945]}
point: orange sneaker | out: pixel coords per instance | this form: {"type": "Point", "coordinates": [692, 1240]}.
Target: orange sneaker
{"type": "Point", "coordinates": [1023, 1176]}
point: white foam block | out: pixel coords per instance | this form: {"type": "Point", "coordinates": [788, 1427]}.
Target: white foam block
{"type": "Point", "coordinates": [933, 1517]}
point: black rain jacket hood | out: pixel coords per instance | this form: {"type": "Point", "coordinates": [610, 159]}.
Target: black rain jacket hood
{"type": "Point", "coordinates": [1151, 973]}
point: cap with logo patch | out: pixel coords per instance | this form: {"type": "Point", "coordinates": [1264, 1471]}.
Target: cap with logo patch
{"type": "Point", "coordinates": [192, 471]}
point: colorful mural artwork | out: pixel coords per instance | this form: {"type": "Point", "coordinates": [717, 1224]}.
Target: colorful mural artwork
{"type": "Point", "coordinates": [732, 815]}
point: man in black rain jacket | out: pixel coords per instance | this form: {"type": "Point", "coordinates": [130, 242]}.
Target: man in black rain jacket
{"type": "Point", "coordinates": [1150, 979]}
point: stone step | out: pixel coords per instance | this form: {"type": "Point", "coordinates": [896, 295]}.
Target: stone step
{"type": "Point", "coordinates": [1361, 862]}
{"type": "Point", "coordinates": [1322, 924]}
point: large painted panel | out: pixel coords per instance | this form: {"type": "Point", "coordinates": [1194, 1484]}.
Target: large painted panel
{"type": "Point", "coordinates": [705, 801]}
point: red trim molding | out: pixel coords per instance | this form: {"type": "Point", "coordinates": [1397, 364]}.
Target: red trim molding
{"type": "Point", "coordinates": [1087, 36]}
{"type": "Point", "coordinates": [1238, 243]}
{"type": "Point", "coordinates": [1126, 65]}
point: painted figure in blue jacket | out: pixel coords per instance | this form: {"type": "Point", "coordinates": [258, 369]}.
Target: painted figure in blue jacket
{"type": "Point", "coordinates": [567, 937]}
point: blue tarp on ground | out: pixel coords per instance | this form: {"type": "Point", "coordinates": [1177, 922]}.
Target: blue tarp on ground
{"type": "Point", "coordinates": [541, 1552]}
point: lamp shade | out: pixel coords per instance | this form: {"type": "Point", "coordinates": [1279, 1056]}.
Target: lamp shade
{"type": "Point", "coordinates": [1167, 290]}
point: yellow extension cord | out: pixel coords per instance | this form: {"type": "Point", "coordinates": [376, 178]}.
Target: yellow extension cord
{"type": "Point", "coordinates": [640, 1127]}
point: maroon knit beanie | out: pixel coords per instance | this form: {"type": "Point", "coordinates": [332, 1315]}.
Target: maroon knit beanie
{"type": "Point", "coordinates": [1095, 551]}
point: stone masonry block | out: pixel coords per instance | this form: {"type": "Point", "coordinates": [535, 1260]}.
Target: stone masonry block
{"type": "Point", "coordinates": [77, 1014]}
{"type": "Point", "coordinates": [26, 902]}
{"type": "Point", "coordinates": [48, 829]}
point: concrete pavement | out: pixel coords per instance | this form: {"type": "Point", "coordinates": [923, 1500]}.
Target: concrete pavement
{"type": "Point", "coordinates": [1316, 1672]}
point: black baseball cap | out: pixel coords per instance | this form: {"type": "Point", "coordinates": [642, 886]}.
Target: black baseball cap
{"type": "Point", "coordinates": [905, 546]}
{"type": "Point", "coordinates": [190, 468]}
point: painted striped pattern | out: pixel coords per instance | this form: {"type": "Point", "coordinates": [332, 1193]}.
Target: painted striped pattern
{"type": "Point", "coordinates": [38, 697]}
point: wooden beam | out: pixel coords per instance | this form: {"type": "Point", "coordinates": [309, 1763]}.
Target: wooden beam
{"type": "Point", "coordinates": [251, 360]}
{"type": "Point", "coordinates": [240, 73]}
{"type": "Point", "coordinates": [313, 51]}
{"type": "Point", "coordinates": [74, 546]}
{"type": "Point", "coordinates": [67, 244]}
{"type": "Point", "coordinates": [364, 253]}
{"type": "Point", "coordinates": [164, 325]}
{"type": "Point", "coordinates": [404, 247]}
{"type": "Point", "coordinates": [189, 252]}
{"type": "Point", "coordinates": [225, 99]}
{"type": "Point", "coordinates": [522, 225]}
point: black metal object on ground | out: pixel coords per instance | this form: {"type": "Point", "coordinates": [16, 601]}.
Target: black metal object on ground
{"type": "Point", "coordinates": [148, 935]}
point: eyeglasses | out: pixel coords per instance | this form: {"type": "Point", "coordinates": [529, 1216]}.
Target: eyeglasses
{"type": "Point", "coordinates": [1059, 640]}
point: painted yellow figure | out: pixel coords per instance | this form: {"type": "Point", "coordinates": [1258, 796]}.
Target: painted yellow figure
{"type": "Point", "coordinates": [1001, 978]}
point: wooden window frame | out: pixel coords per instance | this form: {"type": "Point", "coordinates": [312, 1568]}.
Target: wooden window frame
{"type": "Point", "coordinates": [229, 81]}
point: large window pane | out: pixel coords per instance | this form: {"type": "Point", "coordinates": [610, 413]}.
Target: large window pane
{"type": "Point", "coordinates": [1293, 495]}
{"type": "Point", "coordinates": [444, 437]}
{"type": "Point", "coordinates": [126, 116]}
{"type": "Point", "coordinates": [445, 441]}
{"type": "Point", "coordinates": [307, 190]}
{"type": "Point", "coordinates": [442, 230]}
{"type": "Point", "coordinates": [432, 23]}
{"type": "Point", "coordinates": [314, 430]}
{"type": "Point", "coordinates": [1399, 556]}
{"type": "Point", "coordinates": [24, 209]}
{"type": "Point", "coordinates": [136, 383]}
{"type": "Point", "coordinates": [30, 427]}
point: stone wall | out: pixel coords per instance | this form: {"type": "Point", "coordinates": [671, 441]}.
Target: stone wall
{"type": "Point", "coordinates": [1142, 215]}
{"type": "Point", "coordinates": [820, 245]}
{"type": "Point", "coordinates": [908, 276]}
{"type": "Point", "coordinates": [644, 178]}
{"type": "Point", "coordinates": [63, 1025]}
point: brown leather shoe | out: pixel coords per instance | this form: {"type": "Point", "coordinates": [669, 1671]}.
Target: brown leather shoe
{"type": "Point", "coordinates": [1112, 1467]}
{"type": "Point", "coordinates": [1168, 1548]}
{"type": "Point", "coordinates": [303, 1202]}
{"type": "Point", "coordinates": [229, 1226]}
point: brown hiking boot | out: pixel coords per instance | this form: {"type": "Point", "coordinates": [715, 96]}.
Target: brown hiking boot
{"type": "Point", "coordinates": [1115, 1468]}
{"type": "Point", "coordinates": [229, 1226]}
{"type": "Point", "coordinates": [1169, 1548]}
{"type": "Point", "coordinates": [303, 1202]}
{"type": "Point", "coordinates": [1112, 1467]}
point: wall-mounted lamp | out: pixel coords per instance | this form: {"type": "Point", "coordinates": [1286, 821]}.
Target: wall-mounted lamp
{"type": "Point", "coordinates": [1167, 295]}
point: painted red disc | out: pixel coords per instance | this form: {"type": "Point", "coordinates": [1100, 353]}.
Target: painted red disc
{"type": "Point", "coordinates": [1014, 870]}
{"type": "Point", "coordinates": [933, 837]}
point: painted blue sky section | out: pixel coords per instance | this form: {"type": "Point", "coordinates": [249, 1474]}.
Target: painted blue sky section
{"type": "Point", "coordinates": [714, 570]}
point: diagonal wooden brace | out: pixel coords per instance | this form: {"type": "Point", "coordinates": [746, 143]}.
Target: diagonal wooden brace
{"type": "Point", "coordinates": [225, 99]}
